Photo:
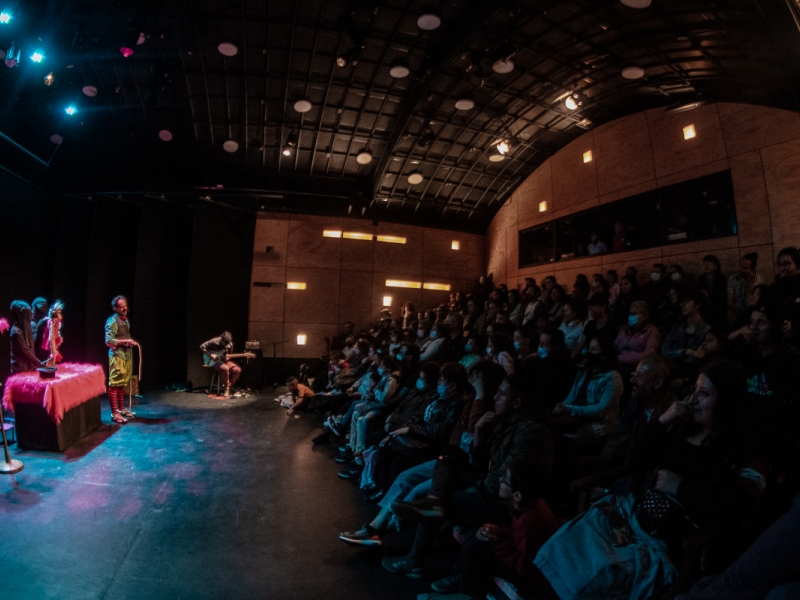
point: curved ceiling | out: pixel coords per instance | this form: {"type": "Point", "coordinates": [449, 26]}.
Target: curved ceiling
{"type": "Point", "coordinates": [490, 72]}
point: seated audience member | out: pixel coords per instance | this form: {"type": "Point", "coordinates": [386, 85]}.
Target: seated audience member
{"type": "Point", "coordinates": [670, 312]}
{"type": "Point", "coordinates": [766, 571]}
{"type": "Point", "coordinates": [516, 311]}
{"type": "Point", "coordinates": [23, 356]}
{"type": "Point", "coordinates": [407, 314]}
{"type": "Point", "coordinates": [639, 337]}
{"type": "Point", "coordinates": [755, 296]}
{"type": "Point", "coordinates": [632, 272]}
{"type": "Point", "coordinates": [598, 286]}
{"type": "Point", "coordinates": [655, 291]}
{"type": "Point", "coordinates": [500, 350]}
{"type": "Point", "coordinates": [337, 341]}
{"type": "Point", "coordinates": [502, 323]}
{"type": "Point", "coordinates": [598, 326]}
{"type": "Point", "coordinates": [785, 292]}
{"type": "Point", "coordinates": [556, 306]}
{"type": "Point", "coordinates": [590, 410]}
{"type": "Point", "coordinates": [361, 388]}
{"type": "Point", "coordinates": [452, 349]}
{"type": "Point", "coordinates": [349, 351]}
{"type": "Point", "coordinates": [580, 291]}
{"type": "Point", "coordinates": [688, 334]}
{"type": "Point", "coordinates": [678, 276]}
{"type": "Point", "coordinates": [468, 490]}
{"type": "Point", "coordinates": [596, 245]}
{"type": "Point", "coordinates": [473, 318]}
{"type": "Point", "coordinates": [741, 283]}
{"type": "Point", "coordinates": [474, 351]}
{"type": "Point", "coordinates": [690, 470]}
{"type": "Point", "coordinates": [298, 394]}
{"type": "Point", "coordinates": [422, 434]}
{"type": "Point", "coordinates": [713, 284]}
{"type": "Point", "coordinates": [613, 285]}
{"type": "Point", "coordinates": [507, 552]}
{"type": "Point", "coordinates": [522, 346]}
{"type": "Point", "coordinates": [437, 335]}
{"type": "Point", "coordinates": [572, 323]}
{"type": "Point", "coordinates": [533, 293]}
{"type": "Point", "coordinates": [395, 341]}
{"type": "Point", "coordinates": [621, 243]}
{"type": "Point", "coordinates": [650, 397]}
{"type": "Point", "coordinates": [424, 338]}
{"type": "Point", "coordinates": [551, 374]}
{"type": "Point", "coordinates": [629, 293]}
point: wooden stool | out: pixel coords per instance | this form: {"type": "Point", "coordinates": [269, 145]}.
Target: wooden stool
{"type": "Point", "coordinates": [215, 385]}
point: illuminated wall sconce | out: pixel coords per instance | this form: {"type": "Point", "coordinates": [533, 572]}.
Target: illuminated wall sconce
{"type": "Point", "coordinates": [301, 339]}
{"type": "Point", "coordinates": [587, 156]}
{"type": "Point", "coordinates": [354, 235]}
{"type": "Point", "coordinates": [455, 245]}
{"type": "Point", "coordinates": [689, 132]}
{"type": "Point", "coordinates": [443, 287]}
{"type": "Point", "coordinates": [399, 283]}
{"type": "Point", "coordinates": [543, 206]}
{"type": "Point", "coordinates": [295, 285]}
{"type": "Point", "coordinates": [391, 239]}
{"type": "Point", "coordinates": [331, 233]}
{"type": "Point", "coordinates": [387, 300]}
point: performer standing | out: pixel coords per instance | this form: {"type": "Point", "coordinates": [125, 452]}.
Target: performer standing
{"type": "Point", "coordinates": [120, 360]}
{"type": "Point", "coordinates": [23, 358]}
{"type": "Point", "coordinates": [215, 351]}
{"type": "Point", "coordinates": [52, 333]}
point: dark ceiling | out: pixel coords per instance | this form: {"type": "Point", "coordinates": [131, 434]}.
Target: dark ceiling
{"type": "Point", "coordinates": [177, 80]}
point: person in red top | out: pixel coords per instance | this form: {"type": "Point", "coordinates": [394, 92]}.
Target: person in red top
{"type": "Point", "coordinates": [300, 392]}
{"type": "Point", "coordinates": [507, 552]}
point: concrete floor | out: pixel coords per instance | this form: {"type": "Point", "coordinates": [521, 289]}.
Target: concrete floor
{"type": "Point", "coordinates": [196, 498]}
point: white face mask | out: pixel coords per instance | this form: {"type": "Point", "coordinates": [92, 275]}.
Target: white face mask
{"type": "Point", "coordinates": [676, 276]}
{"type": "Point", "coordinates": [655, 276]}
{"type": "Point", "coordinates": [420, 333]}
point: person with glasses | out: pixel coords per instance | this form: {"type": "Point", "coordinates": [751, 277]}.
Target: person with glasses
{"type": "Point", "coordinates": [785, 292]}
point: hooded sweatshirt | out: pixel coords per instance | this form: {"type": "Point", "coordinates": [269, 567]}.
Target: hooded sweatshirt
{"type": "Point", "coordinates": [23, 357]}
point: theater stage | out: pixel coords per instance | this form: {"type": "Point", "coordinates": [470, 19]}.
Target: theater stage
{"type": "Point", "coordinates": [194, 499]}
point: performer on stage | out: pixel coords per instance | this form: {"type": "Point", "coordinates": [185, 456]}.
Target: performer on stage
{"type": "Point", "coordinates": [23, 357]}
{"type": "Point", "coordinates": [52, 333]}
{"type": "Point", "coordinates": [215, 351]}
{"type": "Point", "coordinates": [120, 359]}
{"type": "Point", "coordinates": [40, 310]}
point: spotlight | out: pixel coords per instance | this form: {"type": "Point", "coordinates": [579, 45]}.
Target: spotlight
{"type": "Point", "coordinates": [129, 42]}
{"type": "Point", "coordinates": [37, 57]}
{"type": "Point", "coordinates": [13, 56]}
{"type": "Point", "coordinates": [71, 110]}
{"type": "Point", "coordinates": [503, 147]}
{"type": "Point", "coordinates": [5, 17]}
{"type": "Point", "coordinates": [573, 101]}
{"type": "Point", "coordinates": [49, 79]}
{"type": "Point", "coordinates": [291, 144]}
{"type": "Point", "coordinates": [429, 21]}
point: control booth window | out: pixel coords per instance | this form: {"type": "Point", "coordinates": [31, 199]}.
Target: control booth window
{"type": "Point", "coordinates": [698, 209]}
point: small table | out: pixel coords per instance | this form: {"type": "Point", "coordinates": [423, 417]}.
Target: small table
{"type": "Point", "coordinates": [53, 414]}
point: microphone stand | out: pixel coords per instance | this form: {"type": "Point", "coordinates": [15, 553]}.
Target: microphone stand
{"type": "Point", "coordinates": [10, 465]}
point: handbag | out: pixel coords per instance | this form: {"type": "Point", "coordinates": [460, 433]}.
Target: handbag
{"type": "Point", "coordinates": [661, 515]}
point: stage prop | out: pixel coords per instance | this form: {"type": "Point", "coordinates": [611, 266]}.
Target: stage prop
{"type": "Point", "coordinates": [9, 466]}
{"type": "Point", "coordinates": [52, 414]}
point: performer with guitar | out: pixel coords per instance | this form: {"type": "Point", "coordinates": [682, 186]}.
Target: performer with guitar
{"type": "Point", "coordinates": [120, 359]}
{"type": "Point", "coordinates": [216, 354]}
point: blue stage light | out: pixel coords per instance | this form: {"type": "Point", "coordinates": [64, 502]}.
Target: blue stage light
{"type": "Point", "coordinates": [37, 57]}
{"type": "Point", "coordinates": [5, 17]}
{"type": "Point", "coordinates": [70, 110]}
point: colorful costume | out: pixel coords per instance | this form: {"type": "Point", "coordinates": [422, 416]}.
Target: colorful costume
{"type": "Point", "coordinates": [52, 341]}
{"type": "Point", "coordinates": [120, 361]}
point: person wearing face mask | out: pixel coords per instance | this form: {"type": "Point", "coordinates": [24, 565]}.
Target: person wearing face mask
{"type": "Point", "coordinates": [785, 292]}
{"type": "Point", "coordinates": [522, 345]}
{"type": "Point", "coordinates": [424, 335]}
{"type": "Point", "coordinates": [590, 410]}
{"type": "Point", "coordinates": [474, 351]}
{"type": "Point", "coordinates": [437, 335]}
{"type": "Point", "coordinates": [500, 350]}
{"type": "Point", "coordinates": [452, 349]}
{"type": "Point", "coordinates": [629, 293]}
{"type": "Point", "coordinates": [638, 338]}
{"type": "Point", "coordinates": [552, 373]}
{"type": "Point", "coordinates": [655, 290]}
{"type": "Point", "coordinates": [572, 323]}
{"type": "Point", "coordinates": [395, 341]}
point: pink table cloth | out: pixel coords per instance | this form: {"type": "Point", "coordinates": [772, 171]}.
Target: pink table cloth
{"type": "Point", "coordinates": [73, 385]}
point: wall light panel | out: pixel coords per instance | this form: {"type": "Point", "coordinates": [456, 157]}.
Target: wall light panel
{"type": "Point", "coordinates": [399, 283]}
{"type": "Point", "coordinates": [689, 132]}
{"type": "Point", "coordinates": [444, 287]}
{"type": "Point", "coordinates": [455, 245]}
{"type": "Point", "coordinates": [295, 285]}
{"type": "Point", "coordinates": [331, 233]}
{"type": "Point", "coordinates": [301, 339]}
{"type": "Point", "coordinates": [355, 235]}
{"type": "Point", "coordinates": [391, 239]}
{"type": "Point", "coordinates": [387, 300]}
{"type": "Point", "coordinates": [543, 206]}
{"type": "Point", "coordinates": [587, 156]}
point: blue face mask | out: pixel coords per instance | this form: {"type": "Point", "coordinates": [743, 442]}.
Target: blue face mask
{"type": "Point", "coordinates": [420, 384]}
{"type": "Point", "coordinates": [542, 352]}
{"type": "Point", "coordinates": [468, 347]}
{"type": "Point", "coordinates": [633, 320]}
{"type": "Point", "coordinates": [442, 390]}
{"type": "Point", "coordinates": [433, 335]}
{"type": "Point", "coordinates": [381, 371]}
{"type": "Point", "coordinates": [516, 345]}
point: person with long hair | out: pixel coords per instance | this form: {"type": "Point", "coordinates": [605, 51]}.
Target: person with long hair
{"type": "Point", "coordinates": [52, 333]}
{"type": "Point", "coordinates": [23, 357]}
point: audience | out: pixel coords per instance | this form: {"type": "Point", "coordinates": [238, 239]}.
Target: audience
{"type": "Point", "coordinates": [531, 394]}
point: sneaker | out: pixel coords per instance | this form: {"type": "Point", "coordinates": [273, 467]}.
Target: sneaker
{"type": "Point", "coordinates": [366, 536]}
{"type": "Point", "coordinates": [350, 473]}
{"type": "Point", "coordinates": [334, 426]}
{"type": "Point", "coordinates": [418, 510]}
{"type": "Point", "coordinates": [402, 565]}
{"type": "Point", "coordinates": [343, 459]}
{"type": "Point", "coordinates": [447, 585]}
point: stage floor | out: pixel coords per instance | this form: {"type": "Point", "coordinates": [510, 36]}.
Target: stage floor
{"type": "Point", "coordinates": [195, 499]}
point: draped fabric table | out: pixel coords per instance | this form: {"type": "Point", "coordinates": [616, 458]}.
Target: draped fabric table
{"type": "Point", "coordinates": [52, 414]}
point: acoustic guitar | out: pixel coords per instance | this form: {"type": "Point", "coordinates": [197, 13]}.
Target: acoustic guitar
{"type": "Point", "coordinates": [213, 358]}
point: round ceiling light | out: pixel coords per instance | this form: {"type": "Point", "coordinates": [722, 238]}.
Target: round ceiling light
{"type": "Point", "coordinates": [636, 3]}
{"type": "Point", "coordinates": [399, 71]}
{"type": "Point", "coordinates": [90, 90]}
{"type": "Point", "coordinates": [503, 66]}
{"type": "Point", "coordinates": [165, 135]}
{"type": "Point", "coordinates": [302, 106]}
{"type": "Point", "coordinates": [56, 139]}
{"type": "Point", "coordinates": [142, 39]}
{"type": "Point", "coordinates": [429, 22]}
{"type": "Point", "coordinates": [496, 157]}
{"type": "Point", "coordinates": [364, 158]}
{"type": "Point", "coordinates": [415, 178]}
{"type": "Point", "coordinates": [465, 104]}
{"type": "Point", "coordinates": [228, 49]}
{"type": "Point", "coordinates": [230, 146]}
{"type": "Point", "coordinates": [633, 72]}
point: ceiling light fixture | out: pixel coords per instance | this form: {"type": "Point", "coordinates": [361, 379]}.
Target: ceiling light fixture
{"type": "Point", "coordinates": [415, 178]}
{"type": "Point", "coordinates": [165, 135]}
{"type": "Point", "coordinates": [503, 66]}
{"type": "Point", "coordinates": [89, 90]}
{"type": "Point", "coordinates": [683, 106]}
{"type": "Point", "coordinates": [429, 22]}
{"type": "Point", "coordinates": [228, 49]}
{"type": "Point", "coordinates": [230, 146]}
{"type": "Point", "coordinates": [496, 157]}
{"type": "Point", "coordinates": [130, 41]}
{"type": "Point", "coordinates": [5, 17]}
{"type": "Point", "coordinates": [502, 146]}
{"type": "Point", "coordinates": [291, 144]}
{"type": "Point", "coordinates": [12, 60]}
{"type": "Point", "coordinates": [37, 57]}
{"type": "Point", "coordinates": [399, 71]}
{"type": "Point", "coordinates": [573, 101]}
{"type": "Point", "coordinates": [71, 110]}
{"type": "Point", "coordinates": [633, 72]}
{"type": "Point", "coordinates": [364, 158]}
{"type": "Point", "coordinates": [465, 104]}
{"type": "Point", "coordinates": [302, 106]}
